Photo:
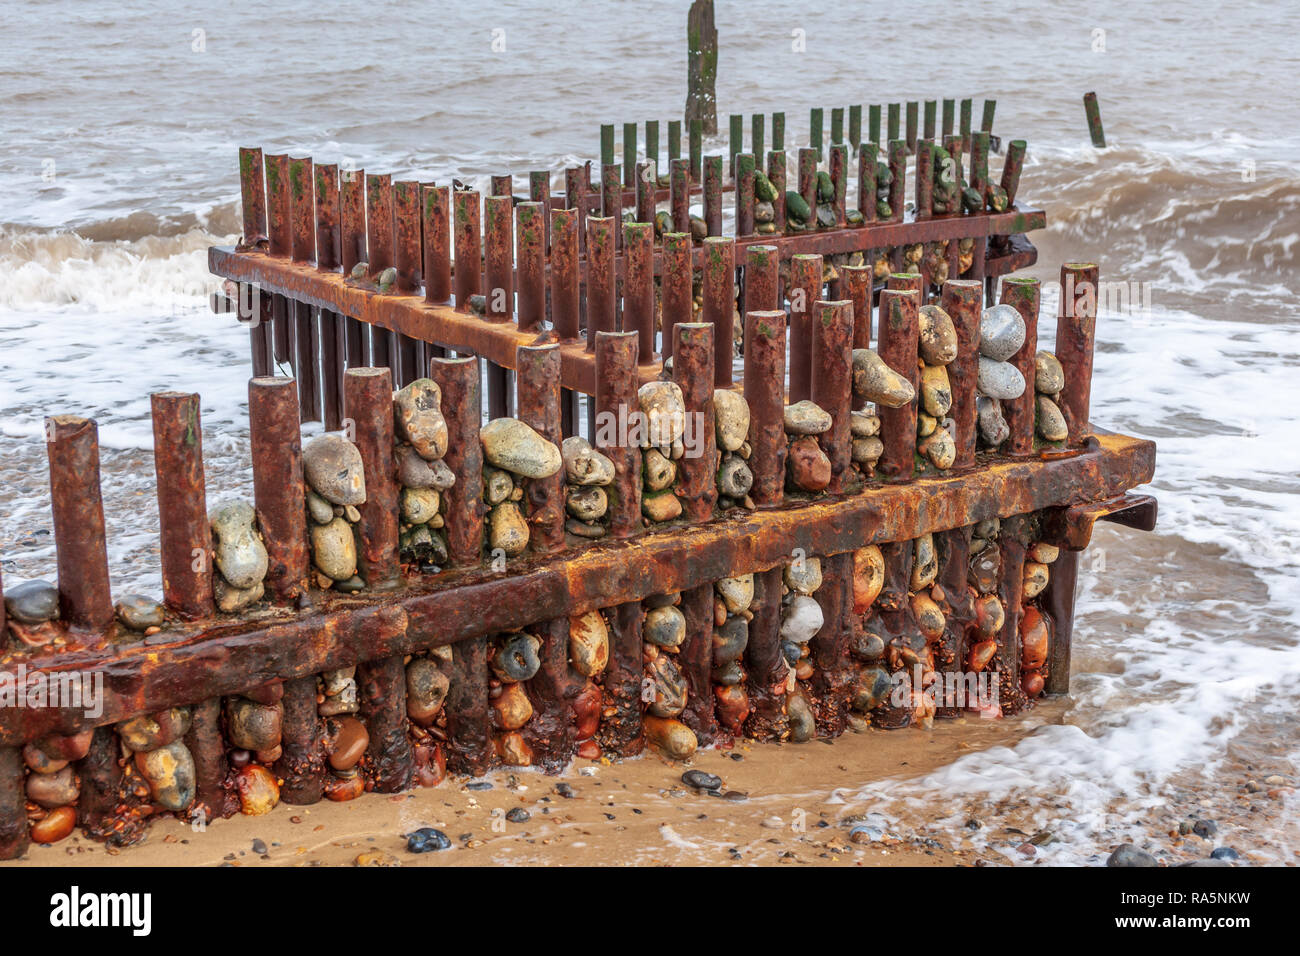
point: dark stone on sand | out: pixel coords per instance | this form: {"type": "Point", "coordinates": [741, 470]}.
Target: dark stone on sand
{"type": "Point", "coordinates": [701, 780]}
{"type": "Point", "coordinates": [426, 840]}
{"type": "Point", "coordinates": [1129, 855]}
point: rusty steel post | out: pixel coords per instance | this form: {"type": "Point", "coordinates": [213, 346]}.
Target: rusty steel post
{"type": "Point", "coordinates": [531, 229]}
{"type": "Point", "coordinates": [949, 117]}
{"type": "Point", "coordinates": [468, 273]}
{"type": "Point", "coordinates": [713, 195]}
{"type": "Point", "coordinates": [182, 504]}
{"type": "Point", "coordinates": [695, 149]}
{"type": "Point", "coordinates": [611, 200]}
{"type": "Point", "coordinates": [379, 222]}
{"type": "Point", "coordinates": [719, 280]}
{"type": "Point", "coordinates": [873, 124]}
{"type": "Point", "coordinates": [1022, 293]}
{"type": "Point", "coordinates": [834, 674]}
{"type": "Point", "coordinates": [498, 213]}
{"type": "Point", "coordinates": [764, 377]}
{"type": "Point", "coordinates": [537, 385]}
{"type": "Point", "coordinates": [961, 299]}
{"type": "Point", "coordinates": [306, 350]}
{"type": "Point", "coordinates": [761, 288]}
{"type": "Point", "coordinates": [646, 185]}
{"type": "Point", "coordinates": [764, 662]}
{"type": "Point", "coordinates": [620, 731]}
{"type": "Point", "coordinates": [679, 188]}
{"type": "Point", "coordinates": [744, 195]}
{"type": "Point", "coordinates": [910, 125]}
{"type": "Point", "coordinates": [352, 218]}
{"type": "Point", "coordinates": [278, 490]}
{"type": "Point", "coordinates": [693, 372]}
{"type": "Point", "coordinates": [979, 164]}
{"type": "Point", "coordinates": [437, 244]}
{"type": "Point", "coordinates": [381, 689]}
{"type": "Point", "coordinates": [1076, 328]}
{"type": "Point", "coordinates": [857, 288]}
{"type": "Point", "coordinates": [695, 659]}
{"type": "Point", "coordinates": [602, 303]}
{"type": "Point", "coordinates": [1058, 602]}
{"type": "Point", "coordinates": [260, 328]}
{"type": "Point", "coordinates": [776, 176]}
{"type": "Point", "coordinates": [1011, 168]}
{"type": "Point", "coordinates": [575, 198]}
{"type": "Point", "coordinates": [369, 394]}
{"type": "Point", "coordinates": [277, 205]}
{"type": "Point", "coordinates": [805, 289]}
{"type": "Point", "coordinates": [855, 126]}
{"type": "Point", "coordinates": [1011, 590]}
{"type": "Point", "coordinates": [839, 163]}
{"type": "Point", "coordinates": [897, 337]}
{"type": "Point", "coordinates": [15, 835]}
{"type": "Point", "coordinates": [252, 192]}
{"type": "Point", "coordinates": [924, 179]}
{"type": "Point", "coordinates": [333, 337]}
{"type": "Point", "coordinates": [639, 287]}
{"type": "Point", "coordinates": [808, 156]}
{"type": "Point", "coordinates": [406, 236]}
{"type": "Point", "coordinates": [539, 191]}
{"type": "Point", "coordinates": [302, 760]}
{"type": "Point", "coordinates": [867, 181]}
{"type": "Point", "coordinates": [564, 272]}
{"type": "Point", "coordinates": [85, 599]}
{"type": "Point", "coordinates": [897, 188]}
{"type": "Point", "coordinates": [629, 152]}
{"type": "Point", "coordinates": [458, 379]}
{"type": "Point", "coordinates": [815, 116]}
{"type": "Point", "coordinates": [501, 185]}
{"type": "Point", "coordinates": [894, 119]}
{"type": "Point", "coordinates": [329, 241]}
{"type": "Point", "coordinates": [832, 364]}
{"type": "Point", "coordinates": [1092, 109]}
{"type": "Point", "coordinates": [677, 303]}
{"type": "Point", "coordinates": [302, 233]}
{"type": "Point", "coordinates": [551, 691]}
{"type": "Point", "coordinates": [616, 399]}
{"type": "Point", "coordinates": [928, 123]}
{"type": "Point", "coordinates": [966, 106]}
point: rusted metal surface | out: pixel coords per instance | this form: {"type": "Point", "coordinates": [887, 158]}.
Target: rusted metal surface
{"type": "Point", "coordinates": [1019, 413]}
{"type": "Point", "coordinates": [532, 228]}
{"type": "Point", "coordinates": [498, 235]}
{"type": "Point", "coordinates": [469, 270]}
{"type": "Point", "coordinates": [616, 396]}
{"type": "Point", "coordinates": [744, 194]}
{"type": "Point", "coordinates": [369, 394]}
{"type": "Point", "coordinates": [182, 504]}
{"type": "Point", "coordinates": [1076, 327]}
{"type": "Point", "coordinates": [435, 213]}
{"type": "Point", "coordinates": [379, 222]}
{"type": "Point", "coordinates": [677, 304]}
{"type": "Point", "coordinates": [832, 343]}
{"type": "Point", "coordinates": [252, 192]}
{"type": "Point", "coordinates": [462, 407]}
{"type": "Point", "coordinates": [765, 361]}
{"type": "Point", "coordinates": [85, 601]}
{"type": "Point", "coordinates": [805, 289]}
{"type": "Point", "coordinates": [407, 252]}
{"type": "Point", "coordinates": [713, 195]}
{"type": "Point", "coordinates": [329, 238]}
{"type": "Point", "coordinates": [961, 299]}
{"type": "Point", "coordinates": [639, 287]}
{"type": "Point", "coordinates": [538, 385]}
{"type": "Point", "coordinates": [277, 204]}
{"type": "Point", "coordinates": [897, 329]}
{"type": "Point", "coordinates": [602, 302]}
{"type": "Point", "coordinates": [564, 282]}
{"type": "Point", "coordinates": [275, 438]}
{"type": "Point", "coordinates": [302, 232]}
{"type": "Point", "coordinates": [693, 368]}
{"type": "Point", "coordinates": [352, 218]}
{"type": "Point", "coordinates": [1011, 169]}
{"type": "Point", "coordinates": [762, 280]}
{"type": "Point", "coordinates": [719, 281]}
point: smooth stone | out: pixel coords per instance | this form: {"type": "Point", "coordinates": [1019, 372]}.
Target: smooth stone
{"type": "Point", "coordinates": [1034, 638]}
{"type": "Point", "coordinates": [240, 554]}
{"type": "Point", "coordinates": [1129, 855]}
{"type": "Point", "coordinates": [867, 646]}
{"type": "Point", "coordinates": [731, 418]}
{"type": "Point", "coordinates": [791, 652]}
{"type": "Point", "coordinates": [1036, 578]}
{"type": "Point", "coordinates": [664, 627]}
{"type": "Point", "coordinates": [938, 342]}
{"type": "Point", "coordinates": [1224, 853]}
{"type": "Point", "coordinates": [801, 619]}
{"type": "Point", "coordinates": [863, 425]}
{"type": "Point", "coordinates": [318, 509]}
{"type": "Point", "coordinates": [511, 444]}
{"type": "Point", "coordinates": [1000, 380]}
{"type": "Point", "coordinates": [32, 602]}
{"type": "Point", "coordinates": [1002, 332]}
{"type": "Point", "coordinates": [802, 725]}
{"type": "Point", "coordinates": [875, 381]}
{"type": "Point", "coordinates": [253, 726]}
{"type": "Point", "coordinates": [332, 466]}
{"type": "Point", "coordinates": [516, 659]}
{"type": "Point", "coordinates": [660, 471]}
{"type": "Point", "coordinates": [169, 771]}
{"type": "Point", "coordinates": [583, 465]}
{"type": "Point", "coordinates": [584, 530]}
{"type": "Point", "coordinates": [871, 689]}
{"type": "Point", "coordinates": [56, 825]}
{"type": "Point", "coordinates": [993, 427]}
{"type": "Point", "coordinates": [985, 568]}
{"type": "Point", "coordinates": [507, 529]}
{"type": "Point", "coordinates": [867, 451]}
{"type": "Point", "coordinates": [667, 685]}
{"type": "Point", "coordinates": [151, 731]}
{"type": "Point", "coordinates": [671, 738]}
{"type": "Point", "coordinates": [420, 505]}
{"type": "Point", "coordinates": [60, 747]}
{"type": "Point", "coordinates": [518, 815]}
{"type": "Point", "coordinates": [334, 549]}
{"type": "Point", "coordinates": [426, 690]}
{"type": "Point", "coordinates": [664, 408]}
{"type": "Point", "coordinates": [663, 506]}
{"type": "Point", "coordinates": [416, 472]}
{"type": "Point", "coordinates": [417, 418]}
{"type": "Point", "coordinates": [586, 502]}
{"type": "Point", "coordinates": [38, 761]}
{"type": "Point", "coordinates": [925, 562]}
{"type": "Point", "coordinates": [1044, 553]}
{"type": "Point", "coordinates": [50, 790]}
{"type": "Point", "coordinates": [348, 742]}
{"type": "Point", "coordinates": [231, 599]}
{"type": "Point", "coordinates": [140, 612]}
{"type": "Point", "coordinates": [990, 616]}
{"type": "Point", "coordinates": [925, 424]}
{"type": "Point", "coordinates": [737, 592]}
{"type": "Point", "coordinates": [730, 640]}
{"type": "Point", "coordinates": [588, 643]}
{"type": "Point", "coordinates": [929, 616]}
{"type": "Point", "coordinates": [806, 418]}
{"type": "Point", "coordinates": [936, 391]}
{"type": "Point", "coordinates": [498, 486]}
{"type": "Point", "coordinates": [345, 701]}
{"type": "Point", "coordinates": [735, 478]}
{"type": "Point", "coordinates": [512, 709]}
{"type": "Point", "coordinates": [939, 448]}
{"type": "Point", "coordinates": [809, 468]}
{"type": "Point", "coordinates": [1049, 420]}
{"type": "Point", "coordinates": [424, 545]}
{"type": "Point", "coordinates": [427, 840]}
{"type": "Point", "coordinates": [729, 674]}
{"type": "Point", "coordinates": [868, 577]}
{"type": "Point", "coordinates": [988, 528]}
{"type": "Point", "coordinates": [1049, 376]}
{"type": "Point", "coordinates": [804, 575]}
{"type": "Point", "coordinates": [701, 780]}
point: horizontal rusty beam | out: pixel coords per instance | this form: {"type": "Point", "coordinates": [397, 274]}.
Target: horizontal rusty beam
{"type": "Point", "coordinates": [181, 667]}
{"type": "Point", "coordinates": [1071, 527]}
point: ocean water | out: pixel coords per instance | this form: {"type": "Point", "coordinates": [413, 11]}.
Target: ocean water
{"type": "Point", "coordinates": [118, 170]}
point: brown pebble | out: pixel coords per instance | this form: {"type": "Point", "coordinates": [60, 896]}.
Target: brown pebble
{"type": "Point", "coordinates": [350, 742]}
{"type": "Point", "coordinates": [56, 825]}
